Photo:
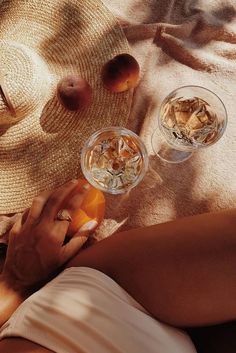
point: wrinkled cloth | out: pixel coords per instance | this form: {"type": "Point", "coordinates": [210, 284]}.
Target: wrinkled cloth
{"type": "Point", "coordinates": [178, 43]}
{"type": "Point", "coordinates": [84, 310]}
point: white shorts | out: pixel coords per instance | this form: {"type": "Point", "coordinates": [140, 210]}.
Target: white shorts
{"type": "Point", "coordinates": [84, 309]}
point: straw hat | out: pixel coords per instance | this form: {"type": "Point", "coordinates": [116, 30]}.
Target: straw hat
{"type": "Point", "coordinates": [41, 42]}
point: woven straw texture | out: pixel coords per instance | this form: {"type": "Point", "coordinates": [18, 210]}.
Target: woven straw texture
{"type": "Point", "coordinates": [40, 42]}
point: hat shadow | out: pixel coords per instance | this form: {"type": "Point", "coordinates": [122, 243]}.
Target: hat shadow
{"type": "Point", "coordinates": [56, 119]}
{"type": "Point", "coordinates": [51, 119]}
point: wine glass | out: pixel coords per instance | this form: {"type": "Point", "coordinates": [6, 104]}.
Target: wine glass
{"type": "Point", "coordinates": [114, 160]}
{"type": "Point", "coordinates": [190, 118]}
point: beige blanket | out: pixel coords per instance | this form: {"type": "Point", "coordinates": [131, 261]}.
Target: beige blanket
{"type": "Point", "coordinates": [177, 43]}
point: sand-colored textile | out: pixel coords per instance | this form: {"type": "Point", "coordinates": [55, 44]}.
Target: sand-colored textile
{"type": "Point", "coordinates": [177, 43]}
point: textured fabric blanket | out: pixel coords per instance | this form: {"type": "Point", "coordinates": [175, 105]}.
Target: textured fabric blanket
{"type": "Point", "coordinates": [177, 43]}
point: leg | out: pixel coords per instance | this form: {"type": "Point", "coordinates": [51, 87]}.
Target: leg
{"type": "Point", "coordinates": [182, 272]}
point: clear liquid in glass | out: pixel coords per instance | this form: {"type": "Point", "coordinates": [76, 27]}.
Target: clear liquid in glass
{"type": "Point", "coordinates": [114, 162]}
{"type": "Point", "coordinates": [189, 123]}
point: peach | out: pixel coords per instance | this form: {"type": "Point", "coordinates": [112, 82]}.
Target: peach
{"type": "Point", "coordinates": [121, 73]}
{"type": "Point", "coordinates": [74, 92]}
{"type": "Point", "coordinates": [91, 209]}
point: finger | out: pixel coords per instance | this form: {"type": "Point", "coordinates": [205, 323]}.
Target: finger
{"type": "Point", "coordinates": [76, 200]}
{"type": "Point", "coordinates": [72, 248]}
{"type": "Point", "coordinates": [72, 205]}
{"type": "Point", "coordinates": [60, 230]}
{"type": "Point", "coordinates": [33, 214]}
{"type": "Point", "coordinates": [16, 226]}
{"type": "Point", "coordinates": [81, 236]}
{"type": "Point", "coordinates": [25, 215]}
{"type": "Point", "coordinates": [87, 228]}
{"type": "Point", "coordinates": [56, 198]}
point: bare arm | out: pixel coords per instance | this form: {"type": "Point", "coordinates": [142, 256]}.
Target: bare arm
{"type": "Point", "coordinates": [183, 272]}
{"type": "Point", "coordinates": [10, 299]}
{"type": "Point", "coordinates": [36, 249]}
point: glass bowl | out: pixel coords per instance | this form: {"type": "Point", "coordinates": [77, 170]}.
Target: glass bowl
{"type": "Point", "coordinates": [114, 160]}
{"type": "Point", "coordinates": [190, 118]}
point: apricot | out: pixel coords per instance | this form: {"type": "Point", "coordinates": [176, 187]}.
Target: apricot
{"type": "Point", "coordinates": [91, 209]}
{"type": "Point", "coordinates": [74, 92]}
{"type": "Point", "coordinates": [121, 73]}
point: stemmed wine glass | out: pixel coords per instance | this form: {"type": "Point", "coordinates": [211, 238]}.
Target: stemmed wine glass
{"type": "Point", "coordinates": [190, 118]}
{"type": "Point", "coordinates": [114, 160]}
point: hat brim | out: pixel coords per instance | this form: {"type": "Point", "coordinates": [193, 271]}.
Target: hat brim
{"type": "Point", "coordinates": [43, 150]}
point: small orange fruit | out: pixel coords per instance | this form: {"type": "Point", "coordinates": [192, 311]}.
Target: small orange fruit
{"type": "Point", "coordinates": [121, 73]}
{"type": "Point", "coordinates": [92, 207]}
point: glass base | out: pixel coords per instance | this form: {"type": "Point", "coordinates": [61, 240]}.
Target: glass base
{"type": "Point", "coordinates": [166, 152]}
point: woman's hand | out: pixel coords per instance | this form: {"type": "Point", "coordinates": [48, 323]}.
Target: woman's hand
{"type": "Point", "coordinates": [36, 242]}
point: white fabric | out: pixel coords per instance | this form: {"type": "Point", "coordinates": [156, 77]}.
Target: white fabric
{"type": "Point", "coordinates": [85, 309]}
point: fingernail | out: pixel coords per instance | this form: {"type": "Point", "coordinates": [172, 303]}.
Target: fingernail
{"type": "Point", "coordinates": [90, 225]}
{"type": "Point", "coordinates": [86, 186]}
{"type": "Point", "coordinates": [74, 181]}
